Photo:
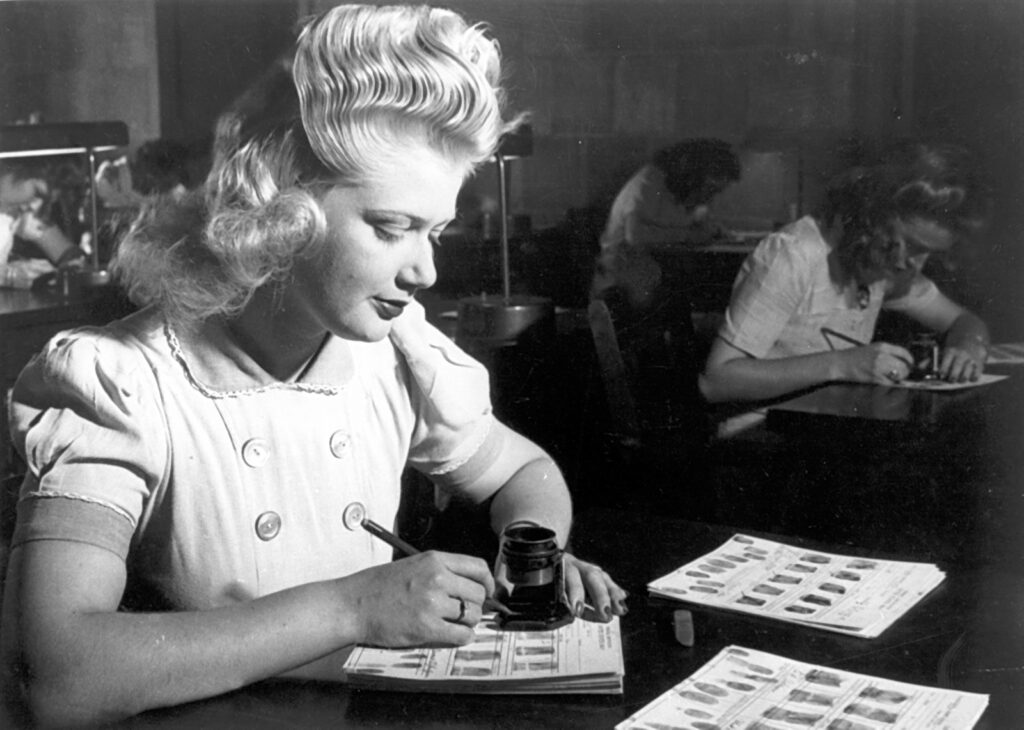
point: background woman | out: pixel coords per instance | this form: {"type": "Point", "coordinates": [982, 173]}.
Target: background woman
{"type": "Point", "coordinates": [834, 272]}
{"type": "Point", "coordinates": [663, 206]}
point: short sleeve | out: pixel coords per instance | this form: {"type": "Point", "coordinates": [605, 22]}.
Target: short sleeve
{"type": "Point", "coordinates": [768, 290]}
{"type": "Point", "coordinates": [450, 393]}
{"type": "Point", "coordinates": [85, 416]}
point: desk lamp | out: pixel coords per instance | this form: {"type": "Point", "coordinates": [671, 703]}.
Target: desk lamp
{"type": "Point", "coordinates": [68, 138]}
{"type": "Point", "coordinates": [501, 319]}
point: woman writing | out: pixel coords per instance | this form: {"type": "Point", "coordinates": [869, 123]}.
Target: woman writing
{"type": "Point", "coordinates": [806, 301]}
{"type": "Point", "coordinates": [662, 209]}
{"type": "Point", "coordinates": [180, 528]}
{"type": "Point", "coordinates": [30, 244]}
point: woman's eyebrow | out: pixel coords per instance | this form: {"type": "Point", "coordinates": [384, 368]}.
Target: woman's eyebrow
{"type": "Point", "coordinates": [389, 213]}
{"type": "Point", "coordinates": [414, 220]}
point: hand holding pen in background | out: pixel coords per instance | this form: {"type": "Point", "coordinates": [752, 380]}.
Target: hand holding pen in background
{"type": "Point", "coordinates": [876, 362]}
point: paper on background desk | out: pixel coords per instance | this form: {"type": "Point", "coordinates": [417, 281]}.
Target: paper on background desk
{"type": "Point", "coordinates": [580, 658]}
{"type": "Point", "coordinates": [1006, 353]}
{"type": "Point", "coordinates": [983, 379]}
{"type": "Point", "coordinates": [742, 688]}
{"type": "Point", "coordinates": [850, 595]}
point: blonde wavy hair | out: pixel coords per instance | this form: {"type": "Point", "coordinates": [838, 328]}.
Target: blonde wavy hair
{"type": "Point", "coordinates": [363, 81]}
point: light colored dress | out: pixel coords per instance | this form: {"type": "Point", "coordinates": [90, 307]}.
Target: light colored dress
{"type": "Point", "coordinates": [784, 297]}
{"type": "Point", "coordinates": [645, 214]}
{"type": "Point", "coordinates": [218, 484]}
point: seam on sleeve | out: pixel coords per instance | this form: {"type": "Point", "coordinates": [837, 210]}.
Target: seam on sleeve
{"type": "Point", "coordinates": [478, 440]}
{"type": "Point", "coordinates": [53, 494]}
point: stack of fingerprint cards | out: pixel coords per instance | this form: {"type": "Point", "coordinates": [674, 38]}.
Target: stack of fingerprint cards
{"type": "Point", "coordinates": [580, 658]}
{"type": "Point", "coordinates": [753, 690]}
{"type": "Point", "coordinates": [850, 595]}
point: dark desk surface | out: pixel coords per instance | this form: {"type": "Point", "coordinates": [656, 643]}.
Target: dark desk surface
{"type": "Point", "coordinates": [851, 405]}
{"type": "Point", "coordinates": [23, 307]}
{"type": "Point", "coordinates": [961, 453]}
{"type": "Point", "coordinates": [18, 306]}
{"type": "Point", "coordinates": [635, 550]}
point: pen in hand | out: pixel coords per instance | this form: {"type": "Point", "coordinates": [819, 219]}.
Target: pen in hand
{"type": "Point", "coordinates": [829, 333]}
{"type": "Point", "coordinates": [389, 537]}
{"type": "Point", "coordinates": [491, 604]}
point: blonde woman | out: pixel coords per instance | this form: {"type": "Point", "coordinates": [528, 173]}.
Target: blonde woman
{"type": "Point", "coordinates": [180, 529]}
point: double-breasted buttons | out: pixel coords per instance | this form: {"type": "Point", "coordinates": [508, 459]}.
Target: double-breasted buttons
{"type": "Point", "coordinates": [268, 525]}
{"type": "Point", "coordinates": [341, 442]}
{"type": "Point", "coordinates": [354, 516]}
{"type": "Point", "coordinates": [255, 452]}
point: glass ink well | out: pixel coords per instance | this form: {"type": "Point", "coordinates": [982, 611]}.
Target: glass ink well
{"type": "Point", "coordinates": [924, 350]}
{"type": "Point", "coordinates": [531, 562]}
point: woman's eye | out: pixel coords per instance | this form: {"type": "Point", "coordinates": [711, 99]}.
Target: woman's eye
{"type": "Point", "coordinates": [387, 234]}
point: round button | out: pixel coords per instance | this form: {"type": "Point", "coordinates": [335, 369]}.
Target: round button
{"type": "Point", "coordinates": [340, 443]}
{"type": "Point", "coordinates": [255, 452]}
{"type": "Point", "coordinates": [353, 515]}
{"type": "Point", "coordinates": [268, 525]}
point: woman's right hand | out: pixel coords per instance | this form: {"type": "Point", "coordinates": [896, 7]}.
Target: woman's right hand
{"type": "Point", "coordinates": [879, 362]}
{"type": "Point", "coordinates": [417, 601]}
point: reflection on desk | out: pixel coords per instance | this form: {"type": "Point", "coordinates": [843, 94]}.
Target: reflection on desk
{"type": "Point", "coordinates": [942, 473]}
{"type": "Point", "coordinates": [635, 550]}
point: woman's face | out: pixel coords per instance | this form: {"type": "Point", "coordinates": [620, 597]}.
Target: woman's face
{"type": "Point", "coordinates": [16, 194]}
{"type": "Point", "coordinates": [918, 239]}
{"type": "Point", "coordinates": [378, 250]}
{"type": "Point", "coordinates": [912, 241]}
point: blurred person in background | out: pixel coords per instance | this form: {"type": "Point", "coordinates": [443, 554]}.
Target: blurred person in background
{"type": "Point", "coordinates": [805, 302]}
{"type": "Point", "coordinates": [663, 206]}
{"type": "Point", "coordinates": [31, 244]}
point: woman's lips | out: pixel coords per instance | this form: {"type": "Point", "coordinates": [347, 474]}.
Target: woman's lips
{"type": "Point", "coordinates": [389, 308]}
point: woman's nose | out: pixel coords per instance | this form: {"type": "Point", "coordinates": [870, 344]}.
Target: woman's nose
{"type": "Point", "coordinates": [917, 262]}
{"type": "Point", "coordinates": [420, 272]}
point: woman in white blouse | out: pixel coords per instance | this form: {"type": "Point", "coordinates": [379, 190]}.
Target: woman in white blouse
{"type": "Point", "coordinates": [180, 530]}
{"type": "Point", "coordinates": [805, 303]}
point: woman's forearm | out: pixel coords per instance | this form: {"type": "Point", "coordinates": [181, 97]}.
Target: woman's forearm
{"type": "Point", "coordinates": [536, 493]}
{"type": "Point", "coordinates": [751, 379]}
{"type": "Point", "coordinates": [92, 663]}
{"type": "Point", "coordinates": [968, 332]}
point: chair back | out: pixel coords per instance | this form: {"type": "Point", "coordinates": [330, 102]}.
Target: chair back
{"type": "Point", "coordinates": [656, 431]}
{"type": "Point", "coordinates": [618, 391]}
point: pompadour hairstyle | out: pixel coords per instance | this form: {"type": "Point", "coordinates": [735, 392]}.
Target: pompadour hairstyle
{"type": "Point", "coordinates": [363, 80]}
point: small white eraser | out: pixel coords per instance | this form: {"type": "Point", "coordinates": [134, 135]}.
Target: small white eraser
{"type": "Point", "coordinates": [683, 621]}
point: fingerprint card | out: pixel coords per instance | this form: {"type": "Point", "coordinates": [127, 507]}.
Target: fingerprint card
{"type": "Point", "coordinates": [582, 657]}
{"type": "Point", "coordinates": [753, 690]}
{"type": "Point", "coordinates": [851, 595]}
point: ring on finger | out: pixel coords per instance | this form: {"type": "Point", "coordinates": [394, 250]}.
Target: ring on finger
{"type": "Point", "coordinates": [893, 374]}
{"type": "Point", "coordinates": [462, 611]}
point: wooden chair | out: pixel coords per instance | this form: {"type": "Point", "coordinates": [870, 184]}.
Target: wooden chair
{"type": "Point", "coordinates": [652, 442]}
{"type": "Point", "coordinates": [624, 421]}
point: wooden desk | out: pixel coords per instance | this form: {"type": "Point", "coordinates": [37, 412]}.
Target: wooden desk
{"type": "Point", "coordinates": [849, 405]}
{"type": "Point", "coordinates": [888, 463]}
{"type": "Point", "coordinates": [635, 551]}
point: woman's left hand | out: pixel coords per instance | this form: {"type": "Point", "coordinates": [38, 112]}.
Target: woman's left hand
{"type": "Point", "coordinates": [591, 593]}
{"type": "Point", "coordinates": [960, 363]}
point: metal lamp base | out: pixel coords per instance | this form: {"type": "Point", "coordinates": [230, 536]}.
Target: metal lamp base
{"type": "Point", "coordinates": [497, 320]}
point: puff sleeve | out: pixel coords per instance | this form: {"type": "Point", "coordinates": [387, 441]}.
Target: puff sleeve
{"type": "Point", "coordinates": [769, 288]}
{"type": "Point", "coordinates": [85, 415]}
{"type": "Point", "coordinates": [451, 396]}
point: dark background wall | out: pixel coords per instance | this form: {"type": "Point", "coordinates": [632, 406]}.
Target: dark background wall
{"type": "Point", "coordinates": [793, 83]}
